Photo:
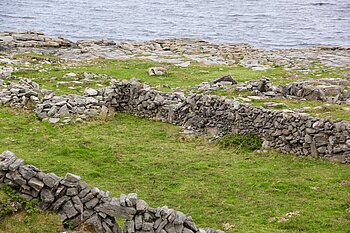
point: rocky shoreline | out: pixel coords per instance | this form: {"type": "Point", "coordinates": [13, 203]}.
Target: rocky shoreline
{"type": "Point", "coordinates": [178, 51]}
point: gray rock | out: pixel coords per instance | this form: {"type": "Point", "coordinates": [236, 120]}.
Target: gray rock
{"type": "Point", "coordinates": [158, 71]}
{"type": "Point", "coordinates": [147, 226]}
{"type": "Point", "coordinates": [141, 205]}
{"type": "Point", "coordinates": [64, 111]}
{"type": "Point", "coordinates": [47, 196]}
{"type": "Point", "coordinates": [6, 159]}
{"type": "Point", "coordinates": [92, 203]}
{"type": "Point", "coordinates": [129, 226]}
{"type": "Point", "coordinates": [69, 209]}
{"type": "Point", "coordinates": [78, 205]}
{"type": "Point", "coordinates": [132, 197]}
{"type": "Point", "coordinates": [51, 180]}
{"type": "Point", "coordinates": [72, 178]}
{"type": "Point", "coordinates": [58, 203]}
{"type": "Point", "coordinates": [36, 183]}
{"type": "Point", "coordinates": [14, 166]}
{"type": "Point", "coordinates": [95, 222]}
{"type": "Point", "coordinates": [19, 179]}
{"type": "Point", "coordinates": [54, 120]}
{"type": "Point", "coordinates": [72, 192]}
{"type": "Point", "coordinates": [226, 78]}
{"type": "Point", "coordinates": [28, 171]}
{"type": "Point", "coordinates": [90, 92]}
{"type": "Point", "coordinates": [113, 208]}
{"type": "Point", "coordinates": [138, 222]}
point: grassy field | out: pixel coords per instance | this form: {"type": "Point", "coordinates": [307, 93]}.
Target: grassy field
{"type": "Point", "coordinates": [216, 183]}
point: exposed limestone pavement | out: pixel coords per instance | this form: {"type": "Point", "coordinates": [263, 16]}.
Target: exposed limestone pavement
{"type": "Point", "coordinates": [179, 51]}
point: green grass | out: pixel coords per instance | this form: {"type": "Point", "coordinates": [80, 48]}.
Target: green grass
{"type": "Point", "coordinates": [214, 184]}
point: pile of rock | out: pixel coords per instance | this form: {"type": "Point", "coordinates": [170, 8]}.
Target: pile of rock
{"type": "Point", "coordinates": [78, 203]}
{"type": "Point", "coordinates": [53, 107]}
{"type": "Point", "coordinates": [311, 90]}
{"type": "Point", "coordinates": [22, 93]}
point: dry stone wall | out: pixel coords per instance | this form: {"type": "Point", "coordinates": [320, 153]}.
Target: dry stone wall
{"type": "Point", "coordinates": [292, 132]}
{"type": "Point", "coordinates": [78, 203]}
{"type": "Point", "coordinates": [287, 132]}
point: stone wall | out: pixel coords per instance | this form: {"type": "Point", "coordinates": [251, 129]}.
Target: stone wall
{"type": "Point", "coordinates": [78, 203]}
{"type": "Point", "coordinates": [292, 132]}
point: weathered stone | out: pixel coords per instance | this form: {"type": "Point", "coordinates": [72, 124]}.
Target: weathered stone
{"type": "Point", "coordinates": [90, 92]}
{"type": "Point", "coordinates": [28, 171]}
{"type": "Point", "coordinates": [19, 179]}
{"type": "Point", "coordinates": [156, 71]}
{"type": "Point", "coordinates": [138, 222]}
{"type": "Point", "coordinates": [92, 203]}
{"type": "Point", "coordinates": [95, 222]}
{"type": "Point", "coordinates": [72, 178]}
{"type": "Point", "coordinates": [130, 199]}
{"type": "Point", "coordinates": [78, 205]}
{"type": "Point", "coordinates": [36, 183]}
{"type": "Point", "coordinates": [129, 226]}
{"type": "Point", "coordinates": [54, 120]}
{"type": "Point", "coordinates": [161, 226]}
{"type": "Point", "coordinates": [147, 226]}
{"type": "Point", "coordinates": [47, 196]}
{"type": "Point", "coordinates": [57, 204]}
{"type": "Point", "coordinates": [15, 165]}
{"type": "Point", "coordinates": [6, 159]}
{"type": "Point", "coordinates": [51, 180]}
{"type": "Point", "coordinates": [113, 208]}
{"type": "Point", "coordinates": [186, 230]}
{"type": "Point", "coordinates": [72, 192]}
{"type": "Point", "coordinates": [141, 205]}
{"type": "Point", "coordinates": [84, 192]}
{"type": "Point", "coordinates": [69, 209]}
{"type": "Point", "coordinates": [226, 78]}
{"type": "Point", "coordinates": [87, 198]}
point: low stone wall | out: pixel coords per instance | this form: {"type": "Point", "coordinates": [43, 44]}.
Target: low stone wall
{"type": "Point", "coordinates": [296, 133]}
{"type": "Point", "coordinates": [78, 203]}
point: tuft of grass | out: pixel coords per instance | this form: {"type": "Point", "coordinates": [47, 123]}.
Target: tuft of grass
{"type": "Point", "coordinates": [243, 142]}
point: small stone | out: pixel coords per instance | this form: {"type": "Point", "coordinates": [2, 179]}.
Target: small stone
{"type": "Point", "coordinates": [138, 222]}
{"type": "Point", "coordinates": [14, 166]}
{"type": "Point", "coordinates": [28, 171]}
{"type": "Point", "coordinates": [72, 192]}
{"type": "Point", "coordinates": [90, 92]}
{"type": "Point", "coordinates": [92, 203]}
{"type": "Point", "coordinates": [47, 196]}
{"type": "Point", "coordinates": [225, 79]}
{"type": "Point", "coordinates": [72, 178]}
{"type": "Point", "coordinates": [36, 184]}
{"type": "Point", "coordinates": [141, 205]}
{"type": "Point", "coordinates": [6, 159]}
{"type": "Point", "coordinates": [54, 120]}
{"type": "Point", "coordinates": [51, 180]}
{"type": "Point", "coordinates": [158, 71]}
{"type": "Point", "coordinates": [132, 197]}
{"type": "Point", "coordinates": [69, 209]}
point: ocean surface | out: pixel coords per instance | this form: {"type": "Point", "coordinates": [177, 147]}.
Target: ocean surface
{"type": "Point", "coordinates": [264, 23]}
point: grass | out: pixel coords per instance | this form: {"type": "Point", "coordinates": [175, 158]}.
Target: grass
{"type": "Point", "coordinates": [215, 184]}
